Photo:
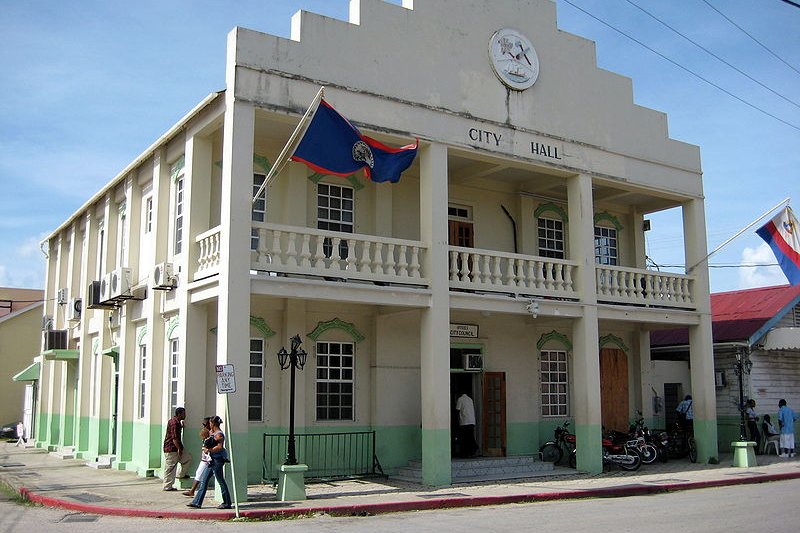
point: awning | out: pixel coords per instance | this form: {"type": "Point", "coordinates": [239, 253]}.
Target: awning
{"type": "Point", "coordinates": [31, 373]}
{"type": "Point", "coordinates": [782, 339]}
{"type": "Point", "coordinates": [61, 355]}
{"type": "Point", "coordinates": [112, 352]}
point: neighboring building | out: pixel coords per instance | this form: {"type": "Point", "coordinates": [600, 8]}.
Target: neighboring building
{"type": "Point", "coordinates": [508, 261]}
{"type": "Point", "coordinates": [20, 341]}
{"type": "Point", "coordinates": [762, 325]}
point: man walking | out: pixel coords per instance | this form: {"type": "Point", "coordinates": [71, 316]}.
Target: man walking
{"type": "Point", "coordinates": [173, 450]}
{"type": "Point", "coordinates": [466, 425]}
{"type": "Point", "coordinates": [786, 420]}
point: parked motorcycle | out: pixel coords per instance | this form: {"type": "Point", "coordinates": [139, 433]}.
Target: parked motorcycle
{"type": "Point", "coordinates": [563, 443]}
{"type": "Point", "coordinates": [648, 443]}
{"type": "Point", "coordinates": [624, 455]}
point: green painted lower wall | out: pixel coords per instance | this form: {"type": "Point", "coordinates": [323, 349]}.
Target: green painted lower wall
{"type": "Point", "coordinates": [436, 471]}
{"type": "Point", "coordinates": [590, 459]}
{"type": "Point", "coordinates": [524, 438]}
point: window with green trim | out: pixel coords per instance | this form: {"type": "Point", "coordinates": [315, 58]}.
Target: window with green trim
{"type": "Point", "coordinates": [554, 382]}
{"type": "Point", "coordinates": [335, 365]}
{"type": "Point", "coordinates": [551, 237]}
{"type": "Point", "coordinates": [178, 242]}
{"type": "Point", "coordinates": [174, 373]}
{"type": "Point", "coordinates": [255, 383]}
{"type": "Point", "coordinates": [605, 245]}
{"type": "Point", "coordinates": [142, 380]}
{"type": "Point", "coordinates": [259, 210]}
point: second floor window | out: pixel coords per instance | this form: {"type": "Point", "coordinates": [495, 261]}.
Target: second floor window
{"type": "Point", "coordinates": [178, 244]}
{"type": "Point", "coordinates": [259, 211]}
{"type": "Point", "coordinates": [335, 212]}
{"type": "Point", "coordinates": [605, 245]}
{"type": "Point", "coordinates": [148, 214]}
{"type": "Point", "coordinates": [551, 237]}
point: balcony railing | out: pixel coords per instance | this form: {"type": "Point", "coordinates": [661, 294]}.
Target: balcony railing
{"type": "Point", "coordinates": [485, 270]}
{"type": "Point", "coordinates": [638, 286]}
{"type": "Point", "coordinates": [348, 256]}
{"type": "Point", "coordinates": [307, 251]}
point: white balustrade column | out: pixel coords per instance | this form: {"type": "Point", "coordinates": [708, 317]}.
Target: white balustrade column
{"type": "Point", "coordinates": [435, 320]}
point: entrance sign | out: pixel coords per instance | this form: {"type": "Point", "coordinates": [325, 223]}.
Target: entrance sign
{"type": "Point", "coordinates": [226, 379]}
{"type": "Point", "coordinates": [464, 331]}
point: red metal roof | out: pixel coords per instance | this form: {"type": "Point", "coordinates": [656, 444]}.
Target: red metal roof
{"type": "Point", "coordinates": [737, 315]}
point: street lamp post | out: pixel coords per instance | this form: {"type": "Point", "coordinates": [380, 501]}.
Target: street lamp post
{"type": "Point", "coordinates": [294, 359]}
{"type": "Point", "coordinates": [742, 366]}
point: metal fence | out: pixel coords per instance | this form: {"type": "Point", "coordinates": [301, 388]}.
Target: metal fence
{"type": "Point", "coordinates": [328, 455]}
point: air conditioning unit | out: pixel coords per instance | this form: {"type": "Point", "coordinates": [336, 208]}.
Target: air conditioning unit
{"type": "Point", "coordinates": [55, 339]}
{"type": "Point", "coordinates": [62, 296]}
{"type": "Point", "coordinates": [120, 283]}
{"type": "Point", "coordinates": [74, 310]}
{"type": "Point", "coordinates": [47, 323]}
{"type": "Point", "coordinates": [93, 297]}
{"type": "Point", "coordinates": [473, 362]}
{"type": "Point", "coordinates": [163, 277]}
{"type": "Point", "coordinates": [105, 288]}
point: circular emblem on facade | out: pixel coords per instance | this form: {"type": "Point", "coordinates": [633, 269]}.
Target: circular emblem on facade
{"type": "Point", "coordinates": [362, 152]}
{"type": "Point", "coordinates": [513, 59]}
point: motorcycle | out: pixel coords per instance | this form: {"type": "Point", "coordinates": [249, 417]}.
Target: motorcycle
{"type": "Point", "coordinates": [648, 443]}
{"type": "Point", "coordinates": [563, 441]}
{"type": "Point", "coordinates": [624, 455]}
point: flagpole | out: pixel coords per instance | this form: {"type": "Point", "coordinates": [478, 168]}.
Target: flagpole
{"type": "Point", "coordinates": [281, 160]}
{"type": "Point", "coordinates": [753, 223]}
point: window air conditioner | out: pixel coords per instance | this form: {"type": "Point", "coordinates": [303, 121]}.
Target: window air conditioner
{"type": "Point", "coordinates": [105, 289]}
{"type": "Point", "coordinates": [62, 296]}
{"type": "Point", "coordinates": [163, 277]}
{"type": "Point", "coordinates": [55, 339]}
{"type": "Point", "coordinates": [120, 282]}
{"type": "Point", "coordinates": [473, 362]}
{"type": "Point", "coordinates": [74, 310]}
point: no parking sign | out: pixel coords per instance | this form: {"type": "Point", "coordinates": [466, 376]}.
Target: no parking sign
{"type": "Point", "coordinates": [226, 379]}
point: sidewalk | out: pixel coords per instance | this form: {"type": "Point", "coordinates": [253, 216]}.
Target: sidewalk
{"type": "Point", "coordinates": [70, 484]}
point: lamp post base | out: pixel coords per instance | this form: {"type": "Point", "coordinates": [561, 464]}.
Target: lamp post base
{"type": "Point", "coordinates": [744, 454]}
{"type": "Point", "coordinates": [291, 483]}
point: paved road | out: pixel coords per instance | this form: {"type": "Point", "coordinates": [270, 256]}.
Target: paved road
{"type": "Point", "coordinates": [770, 507]}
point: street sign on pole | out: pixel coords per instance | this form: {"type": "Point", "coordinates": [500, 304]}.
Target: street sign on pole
{"type": "Point", "coordinates": [226, 379]}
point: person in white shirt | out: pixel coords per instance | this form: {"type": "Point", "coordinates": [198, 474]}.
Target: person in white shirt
{"type": "Point", "coordinates": [466, 425]}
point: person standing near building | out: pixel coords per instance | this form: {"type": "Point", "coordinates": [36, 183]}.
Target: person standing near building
{"type": "Point", "coordinates": [686, 413]}
{"type": "Point", "coordinates": [215, 447]}
{"type": "Point", "coordinates": [752, 423]}
{"type": "Point", "coordinates": [466, 425]}
{"type": "Point", "coordinates": [786, 419]}
{"type": "Point", "coordinates": [205, 459]}
{"type": "Point", "coordinates": [174, 452]}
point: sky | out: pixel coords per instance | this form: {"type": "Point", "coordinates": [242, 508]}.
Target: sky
{"type": "Point", "coordinates": [90, 84]}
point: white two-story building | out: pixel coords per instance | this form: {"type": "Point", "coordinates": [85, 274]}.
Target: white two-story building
{"type": "Point", "coordinates": [509, 260]}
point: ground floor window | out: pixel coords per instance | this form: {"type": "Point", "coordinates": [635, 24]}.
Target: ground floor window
{"type": "Point", "coordinates": [142, 380]}
{"type": "Point", "coordinates": [334, 380]}
{"type": "Point", "coordinates": [554, 383]}
{"type": "Point", "coordinates": [255, 384]}
{"type": "Point", "coordinates": [174, 373]}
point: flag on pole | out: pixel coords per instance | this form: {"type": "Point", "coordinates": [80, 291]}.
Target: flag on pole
{"type": "Point", "coordinates": [332, 145]}
{"type": "Point", "coordinates": [782, 233]}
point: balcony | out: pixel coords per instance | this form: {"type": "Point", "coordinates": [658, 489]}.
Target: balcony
{"type": "Point", "coordinates": [332, 256]}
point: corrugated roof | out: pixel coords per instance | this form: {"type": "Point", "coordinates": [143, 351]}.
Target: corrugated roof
{"type": "Point", "coordinates": [737, 315]}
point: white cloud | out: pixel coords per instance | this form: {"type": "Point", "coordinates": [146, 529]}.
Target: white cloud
{"type": "Point", "coordinates": [761, 276]}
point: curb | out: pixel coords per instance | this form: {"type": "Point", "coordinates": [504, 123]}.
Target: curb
{"type": "Point", "coordinates": [393, 507]}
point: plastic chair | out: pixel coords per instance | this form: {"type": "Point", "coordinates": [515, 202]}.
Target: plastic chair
{"type": "Point", "coordinates": [775, 441]}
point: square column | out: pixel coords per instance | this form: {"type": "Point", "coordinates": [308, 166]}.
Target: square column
{"type": "Point", "coordinates": [701, 344]}
{"type": "Point", "coordinates": [233, 312]}
{"type": "Point", "coordinates": [585, 337]}
{"type": "Point", "coordinates": [435, 320]}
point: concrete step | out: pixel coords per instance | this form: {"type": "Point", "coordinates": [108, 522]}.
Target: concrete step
{"type": "Point", "coordinates": [102, 462]}
{"type": "Point", "coordinates": [482, 469]}
{"type": "Point", "coordinates": [64, 452]}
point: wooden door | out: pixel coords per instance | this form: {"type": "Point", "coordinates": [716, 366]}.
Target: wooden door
{"type": "Point", "coordinates": [614, 389]}
{"type": "Point", "coordinates": [460, 234]}
{"type": "Point", "coordinates": [494, 414]}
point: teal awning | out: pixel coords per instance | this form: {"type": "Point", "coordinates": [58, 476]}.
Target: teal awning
{"type": "Point", "coordinates": [31, 373]}
{"type": "Point", "coordinates": [112, 352]}
{"type": "Point", "coordinates": [61, 355]}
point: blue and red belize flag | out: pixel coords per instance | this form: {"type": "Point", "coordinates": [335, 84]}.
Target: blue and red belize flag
{"type": "Point", "coordinates": [782, 233]}
{"type": "Point", "coordinates": [332, 145]}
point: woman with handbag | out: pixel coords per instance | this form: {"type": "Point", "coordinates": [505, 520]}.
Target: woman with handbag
{"type": "Point", "coordinates": [214, 445]}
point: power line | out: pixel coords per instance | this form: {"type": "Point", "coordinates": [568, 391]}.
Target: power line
{"type": "Point", "coordinates": [698, 76]}
{"type": "Point", "coordinates": [712, 54]}
{"type": "Point", "coordinates": [791, 3]}
{"type": "Point", "coordinates": [753, 38]}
